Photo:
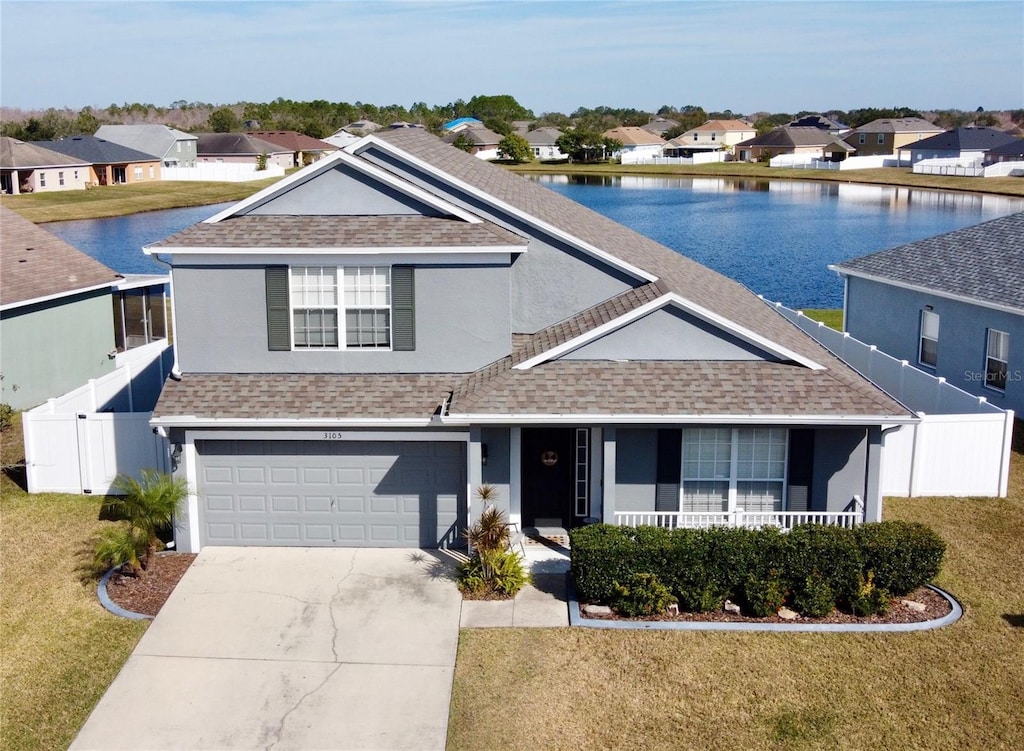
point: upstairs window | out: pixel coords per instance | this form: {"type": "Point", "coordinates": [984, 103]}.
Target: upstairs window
{"type": "Point", "coordinates": [929, 350]}
{"type": "Point", "coordinates": [881, 138]}
{"type": "Point", "coordinates": [997, 356]}
{"type": "Point", "coordinates": [861, 138]}
{"type": "Point", "coordinates": [368, 307]}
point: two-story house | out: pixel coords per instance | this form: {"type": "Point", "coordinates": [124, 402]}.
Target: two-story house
{"type": "Point", "coordinates": [713, 135]}
{"type": "Point", "coordinates": [173, 147]}
{"type": "Point", "coordinates": [888, 135]}
{"type": "Point", "coordinates": [363, 344]}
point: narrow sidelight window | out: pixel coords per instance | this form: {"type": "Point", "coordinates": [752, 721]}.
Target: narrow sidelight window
{"type": "Point", "coordinates": [929, 351]}
{"type": "Point", "coordinates": [997, 357]}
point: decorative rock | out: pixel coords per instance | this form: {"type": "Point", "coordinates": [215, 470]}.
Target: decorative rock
{"type": "Point", "coordinates": [672, 609]}
{"type": "Point", "coordinates": [917, 607]}
{"type": "Point", "coordinates": [596, 609]}
{"type": "Point", "coordinates": [731, 607]}
{"type": "Point", "coordinates": [788, 615]}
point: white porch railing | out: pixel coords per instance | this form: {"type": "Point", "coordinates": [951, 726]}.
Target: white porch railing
{"type": "Point", "coordinates": [784, 520]}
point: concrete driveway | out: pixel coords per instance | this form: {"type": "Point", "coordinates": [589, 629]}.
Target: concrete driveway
{"type": "Point", "coordinates": [291, 648]}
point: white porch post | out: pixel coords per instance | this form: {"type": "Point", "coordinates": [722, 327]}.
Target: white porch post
{"type": "Point", "coordinates": [608, 482]}
{"type": "Point", "coordinates": [515, 478]}
{"type": "Point", "coordinates": [474, 470]}
{"type": "Point", "coordinates": [873, 476]}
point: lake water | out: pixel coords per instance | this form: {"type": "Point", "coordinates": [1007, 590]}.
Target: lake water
{"type": "Point", "coordinates": [775, 236]}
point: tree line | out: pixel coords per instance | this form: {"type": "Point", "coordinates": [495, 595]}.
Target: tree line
{"type": "Point", "coordinates": [320, 118]}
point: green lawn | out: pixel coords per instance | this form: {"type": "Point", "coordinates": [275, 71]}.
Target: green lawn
{"type": "Point", "coordinates": [831, 317]}
{"type": "Point", "coordinates": [956, 688]}
{"type": "Point", "coordinates": [59, 648]}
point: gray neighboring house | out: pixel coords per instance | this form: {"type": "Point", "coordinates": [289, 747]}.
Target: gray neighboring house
{"type": "Point", "coordinates": [543, 142]}
{"type": "Point", "coordinates": [55, 314]}
{"type": "Point", "coordinates": [364, 343]}
{"type": "Point", "coordinates": [809, 140]}
{"type": "Point", "coordinates": [173, 147]}
{"type": "Point", "coordinates": [967, 142]}
{"type": "Point", "coordinates": [242, 149]}
{"type": "Point", "coordinates": [952, 305]}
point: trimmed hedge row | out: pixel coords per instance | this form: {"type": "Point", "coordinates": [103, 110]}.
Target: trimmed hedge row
{"type": "Point", "coordinates": [806, 568]}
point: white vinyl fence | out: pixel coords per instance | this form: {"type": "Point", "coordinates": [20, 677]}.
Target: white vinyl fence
{"type": "Point", "coordinates": [709, 157]}
{"type": "Point", "coordinates": [81, 441]}
{"type": "Point", "coordinates": [952, 167]}
{"type": "Point", "coordinates": [960, 446]}
{"type": "Point", "coordinates": [804, 161]}
{"type": "Point", "coordinates": [221, 172]}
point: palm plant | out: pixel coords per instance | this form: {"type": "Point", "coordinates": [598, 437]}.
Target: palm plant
{"type": "Point", "coordinates": [146, 505]}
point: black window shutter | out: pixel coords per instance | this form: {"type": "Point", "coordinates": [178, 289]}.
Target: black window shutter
{"type": "Point", "coordinates": [669, 469]}
{"type": "Point", "coordinates": [403, 309]}
{"type": "Point", "coordinates": [279, 326]}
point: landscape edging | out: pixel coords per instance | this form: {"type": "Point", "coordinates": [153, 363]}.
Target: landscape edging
{"type": "Point", "coordinates": [112, 606]}
{"type": "Point", "coordinates": [576, 619]}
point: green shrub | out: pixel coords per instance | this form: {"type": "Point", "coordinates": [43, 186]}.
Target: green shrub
{"type": "Point", "coordinates": [902, 555]}
{"type": "Point", "coordinates": [869, 599]}
{"type": "Point", "coordinates": [815, 598]}
{"type": "Point", "coordinates": [764, 594]}
{"type": "Point", "coordinates": [603, 554]}
{"type": "Point", "coordinates": [831, 552]}
{"type": "Point", "coordinates": [493, 572]}
{"type": "Point", "coordinates": [6, 416]}
{"type": "Point", "coordinates": [642, 594]}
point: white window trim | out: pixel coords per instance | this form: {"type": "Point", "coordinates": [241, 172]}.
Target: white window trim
{"type": "Point", "coordinates": [989, 356]}
{"type": "Point", "coordinates": [340, 310]}
{"type": "Point", "coordinates": [734, 478]}
{"type": "Point", "coordinates": [921, 339]}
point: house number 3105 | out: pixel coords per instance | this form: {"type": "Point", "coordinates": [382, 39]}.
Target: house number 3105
{"type": "Point", "coordinates": [328, 436]}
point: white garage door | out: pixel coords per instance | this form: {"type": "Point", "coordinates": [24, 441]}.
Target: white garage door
{"type": "Point", "coordinates": [347, 494]}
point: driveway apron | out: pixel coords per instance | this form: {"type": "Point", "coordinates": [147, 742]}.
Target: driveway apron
{"type": "Point", "coordinates": [291, 648]}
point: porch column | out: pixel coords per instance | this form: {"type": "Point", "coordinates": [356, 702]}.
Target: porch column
{"type": "Point", "coordinates": [873, 476]}
{"type": "Point", "coordinates": [474, 470]}
{"type": "Point", "coordinates": [608, 477]}
{"type": "Point", "coordinates": [515, 476]}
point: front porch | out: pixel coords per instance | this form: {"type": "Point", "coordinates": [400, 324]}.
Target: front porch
{"type": "Point", "coordinates": [784, 520]}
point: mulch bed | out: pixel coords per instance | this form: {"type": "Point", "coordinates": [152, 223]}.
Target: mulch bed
{"type": "Point", "coordinates": [148, 593]}
{"type": "Point", "coordinates": [935, 604]}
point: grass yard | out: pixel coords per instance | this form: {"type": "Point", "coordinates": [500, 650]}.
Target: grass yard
{"type": "Point", "coordinates": [960, 687]}
{"type": "Point", "coordinates": [831, 317]}
{"type": "Point", "coordinates": [59, 649]}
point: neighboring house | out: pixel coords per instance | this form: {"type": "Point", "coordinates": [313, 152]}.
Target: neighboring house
{"type": "Point", "coordinates": [173, 147]}
{"type": "Point", "coordinates": [366, 342]}
{"type": "Point", "coordinates": [239, 148]}
{"type": "Point", "coordinates": [55, 321]}
{"type": "Point", "coordinates": [635, 141]}
{"type": "Point", "coordinates": [970, 142]}
{"type": "Point", "coordinates": [820, 122]}
{"type": "Point", "coordinates": [482, 142]}
{"type": "Point", "coordinates": [305, 149]}
{"type": "Point", "coordinates": [888, 135]}
{"type": "Point", "coordinates": [110, 163]}
{"type": "Point", "coordinates": [351, 133]}
{"type": "Point", "coordinates": [952, 305]}
{"type": "Point", "coordinates": [659, 126]}
{"type": "Point", "coordinates": [543, 142]}
{"type": "Point", "coordinates": [28, 168]}
{"type": "Point", "coordinates": [809, 141]}
{"type": "Point", "coordinates": [461, 123]}
{"type": "Point", "coordinates": [714, 135]}
{"type": "Point", "coordinates": [1012, 151]}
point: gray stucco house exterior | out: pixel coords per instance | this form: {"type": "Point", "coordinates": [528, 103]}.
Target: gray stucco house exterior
{"type": "Point", "coordinates": [363, 344]}
{"type": "Point", "coordinates": [173, 147]}
{"type": "Point", "coordinates": [952, 305]}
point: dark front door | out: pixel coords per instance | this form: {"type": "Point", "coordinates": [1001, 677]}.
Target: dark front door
{"type": "Point", "coordinates": [547, 461]}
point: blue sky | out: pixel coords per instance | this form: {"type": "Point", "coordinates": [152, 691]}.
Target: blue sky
{"type": "Point", "coordinates": [551, 56]}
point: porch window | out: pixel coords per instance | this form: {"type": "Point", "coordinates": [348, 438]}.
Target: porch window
{"type": "Point", "coordinates": [725, 469]}
{"type": "Point", "coordinates": [929, 351]}
{"type": "Point", "coordinates": [997, 357]}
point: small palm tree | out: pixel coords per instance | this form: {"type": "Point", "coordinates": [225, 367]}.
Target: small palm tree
{"type": "Point", "coordinates": [146, 505]}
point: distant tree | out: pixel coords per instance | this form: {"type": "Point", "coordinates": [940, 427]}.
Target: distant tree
{"type": "Point", "coordinates": [87, 123]}
{"type": "Point", "coordinates": [224, 120]}
{"type": "Point", "coordinates": [499, 107]}
{"type": "Point", "coordinates": [499, 126]}
{"type": "Point", "coordinates": [552, 120]}
{"type": "Point", "coordinates": [515, 148]}
{"type": "Point", "coordinates": [587, 146]}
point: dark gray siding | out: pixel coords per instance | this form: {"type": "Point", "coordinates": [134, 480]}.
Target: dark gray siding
{"type": "Point", "coordinates": [462, 323]}
{"type": "Point", "coordinates": [668, 334]}
{"type": "Point", "coordinates": [636, 457]}
{"type": "Point", "coordinates": [889, 317]}
{"type": "Point", "coordinates": [840, 468]}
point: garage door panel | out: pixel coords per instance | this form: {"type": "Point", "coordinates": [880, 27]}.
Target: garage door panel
{"type": "Point", "coordinates": [348, 493]}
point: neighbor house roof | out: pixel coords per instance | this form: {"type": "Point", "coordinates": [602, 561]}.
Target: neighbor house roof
{"type": "Point", "coordinates": [722, 125]}
{"type": "Point", "coordinates": [98, 150]}
{"type": "Point", "coordinates": [238, 144]}
{"type": "Point", "coordinates": [398, 231]}
{"type": "Point", "coordinates": [147, 138]}
{"type": "Point", "coordinates": [792, 136]}
{"type": "Point", "coordinates": [632, 136]}
{"type": "Point", "coordinates": [1011, 148]}
{"type": "Point", "coordinates": [659, 125]}
{"type": "Point", "coordinates": [15, 154]}
{"type": "Point", "coordinates": [968, 138]}
{"type": "Point", "coordinates": [817, 121]}
{"type": "Point", "coordinates": [545, 136]}
{"type": "Point", "coordinates": [36, 265]}
{"type": "Point", "coordinates": [983, 263]}
{"type": "Point", "coordinates": [461, 122]}
{"type": "Point", "coordinates": [362, 126]}
{"type": "Point", "coordinates": [293, 140]}
{"type": "Point", "coordinates": [899, 125]}
{"type": "Point", "coordinates": [478, 135]}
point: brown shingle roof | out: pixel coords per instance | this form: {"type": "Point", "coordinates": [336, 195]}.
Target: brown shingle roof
{"type": "Point", "coordinates": [255, 231]}
{"type": "Point", "coordinates": [633, 136]}
{"type": "Point", "coordinates": [293, 140]}
{"type": "Point", "coordinates": [36, 264]}
{"type": "Point", "coordinates": [15, 154]}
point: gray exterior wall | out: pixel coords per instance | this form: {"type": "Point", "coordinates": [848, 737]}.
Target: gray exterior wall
{"type": "Point", "coordinates": [54, 347]}
{"type": "Point", "coordinates": [668, 334]}
{"type": "Point", "coordinates": [890, 317]}
{"type": "Point", "coordinates": [840, 468]}
{"type": "Point", "coordinates": [551, 281]}
{"type": "Point", "coordinates": [342, 192]}
{"type": "Point", "coordinates": [221, 324]}
{"type": "Point", "coordinates": [636, 458]}
{"type": "Point", "coordinates": [498, 470]}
